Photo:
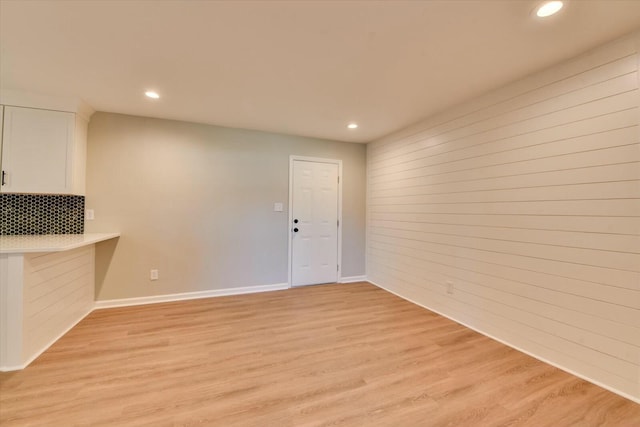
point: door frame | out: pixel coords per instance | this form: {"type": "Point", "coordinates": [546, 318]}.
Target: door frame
{"type": "Point", "coordinates": [293, 158]}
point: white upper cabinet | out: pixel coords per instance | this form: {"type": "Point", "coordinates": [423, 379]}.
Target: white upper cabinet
{"type": "Point", "coordinates": [43, 151]}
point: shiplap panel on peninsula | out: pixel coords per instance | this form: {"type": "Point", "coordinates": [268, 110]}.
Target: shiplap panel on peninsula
{"type": "Point", "coordinates": [58, 292]}
{"type": "Point", "coordinates": [527, 200]}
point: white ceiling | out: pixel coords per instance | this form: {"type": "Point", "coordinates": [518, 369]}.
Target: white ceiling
{"type": "Point", "coordinates": [304, 68]}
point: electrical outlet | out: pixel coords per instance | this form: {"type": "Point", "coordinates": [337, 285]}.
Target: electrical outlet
{"type": "Point", "coordinates": [449, 287]}
{"type": "Point", "coordinates": [89, 215]}
{"type": "Point", "coordinates": [153, 274]}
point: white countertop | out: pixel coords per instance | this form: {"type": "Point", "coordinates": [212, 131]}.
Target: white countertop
{"type": "Point", "coordinates": [16, 244]}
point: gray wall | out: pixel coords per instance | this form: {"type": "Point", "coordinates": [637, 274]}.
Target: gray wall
{"type": "Point", "coordinates": [196, 202]}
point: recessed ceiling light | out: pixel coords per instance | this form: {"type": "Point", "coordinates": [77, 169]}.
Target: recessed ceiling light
{"type": "Point", "coordinates": [549, 8]}
{"type": "Point", "coordinates": [352, 126]}
{"type": "Point", "coordinates": [152, 94]}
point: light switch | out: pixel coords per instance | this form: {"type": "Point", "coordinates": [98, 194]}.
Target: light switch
{"type": "Point", "coordinates": [277, 207]}
{"type": "Point", "coordinates": [89, 215]}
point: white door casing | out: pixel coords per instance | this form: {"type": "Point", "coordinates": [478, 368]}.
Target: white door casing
{"type": "Point", "coordinates": [315, 202]}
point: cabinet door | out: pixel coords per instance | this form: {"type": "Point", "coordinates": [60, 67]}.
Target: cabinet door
{"type": "Point", "coordinates": [37, 150]}
{"type": "Point", "coordinates": [1, 121]}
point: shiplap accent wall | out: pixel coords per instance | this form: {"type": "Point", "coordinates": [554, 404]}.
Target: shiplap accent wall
{"type": "Point", "coordinates": [58, 293]}
{"type": "Point", "coordinates": [527, 200]}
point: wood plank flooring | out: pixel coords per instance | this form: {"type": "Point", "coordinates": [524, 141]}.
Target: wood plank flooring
{"type": "Point", "coordinates": [331, 355]}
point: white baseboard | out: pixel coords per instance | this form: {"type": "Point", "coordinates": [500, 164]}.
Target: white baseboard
{"type": "Point", "coordinates": [352, 279]}
{"type": "Point", "coordinates": [125, 302]}
{"type": "Point", "coordinates": [45, 347]}
{"type": "Point", "coordinates": [515, 347]}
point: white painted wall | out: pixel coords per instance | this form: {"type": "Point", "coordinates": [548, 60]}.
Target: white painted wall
{"type": "Point", "coordinates": [528, 200]}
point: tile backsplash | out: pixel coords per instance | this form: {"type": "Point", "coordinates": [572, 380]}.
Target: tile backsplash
{"type": "Point", "coordinates": [41, 214]}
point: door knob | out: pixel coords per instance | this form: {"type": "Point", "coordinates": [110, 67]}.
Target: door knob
{"type": "Point", "coordinates": [295, 230]}
{"type": "Point", "coordinates": [295, 221]}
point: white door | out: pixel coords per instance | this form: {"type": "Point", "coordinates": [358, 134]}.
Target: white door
{"type": "Point", "coordinates": [314, 213]}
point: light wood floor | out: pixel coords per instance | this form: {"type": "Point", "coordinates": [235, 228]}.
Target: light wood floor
{"type": "Point", "coordinates": [347, 355]}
